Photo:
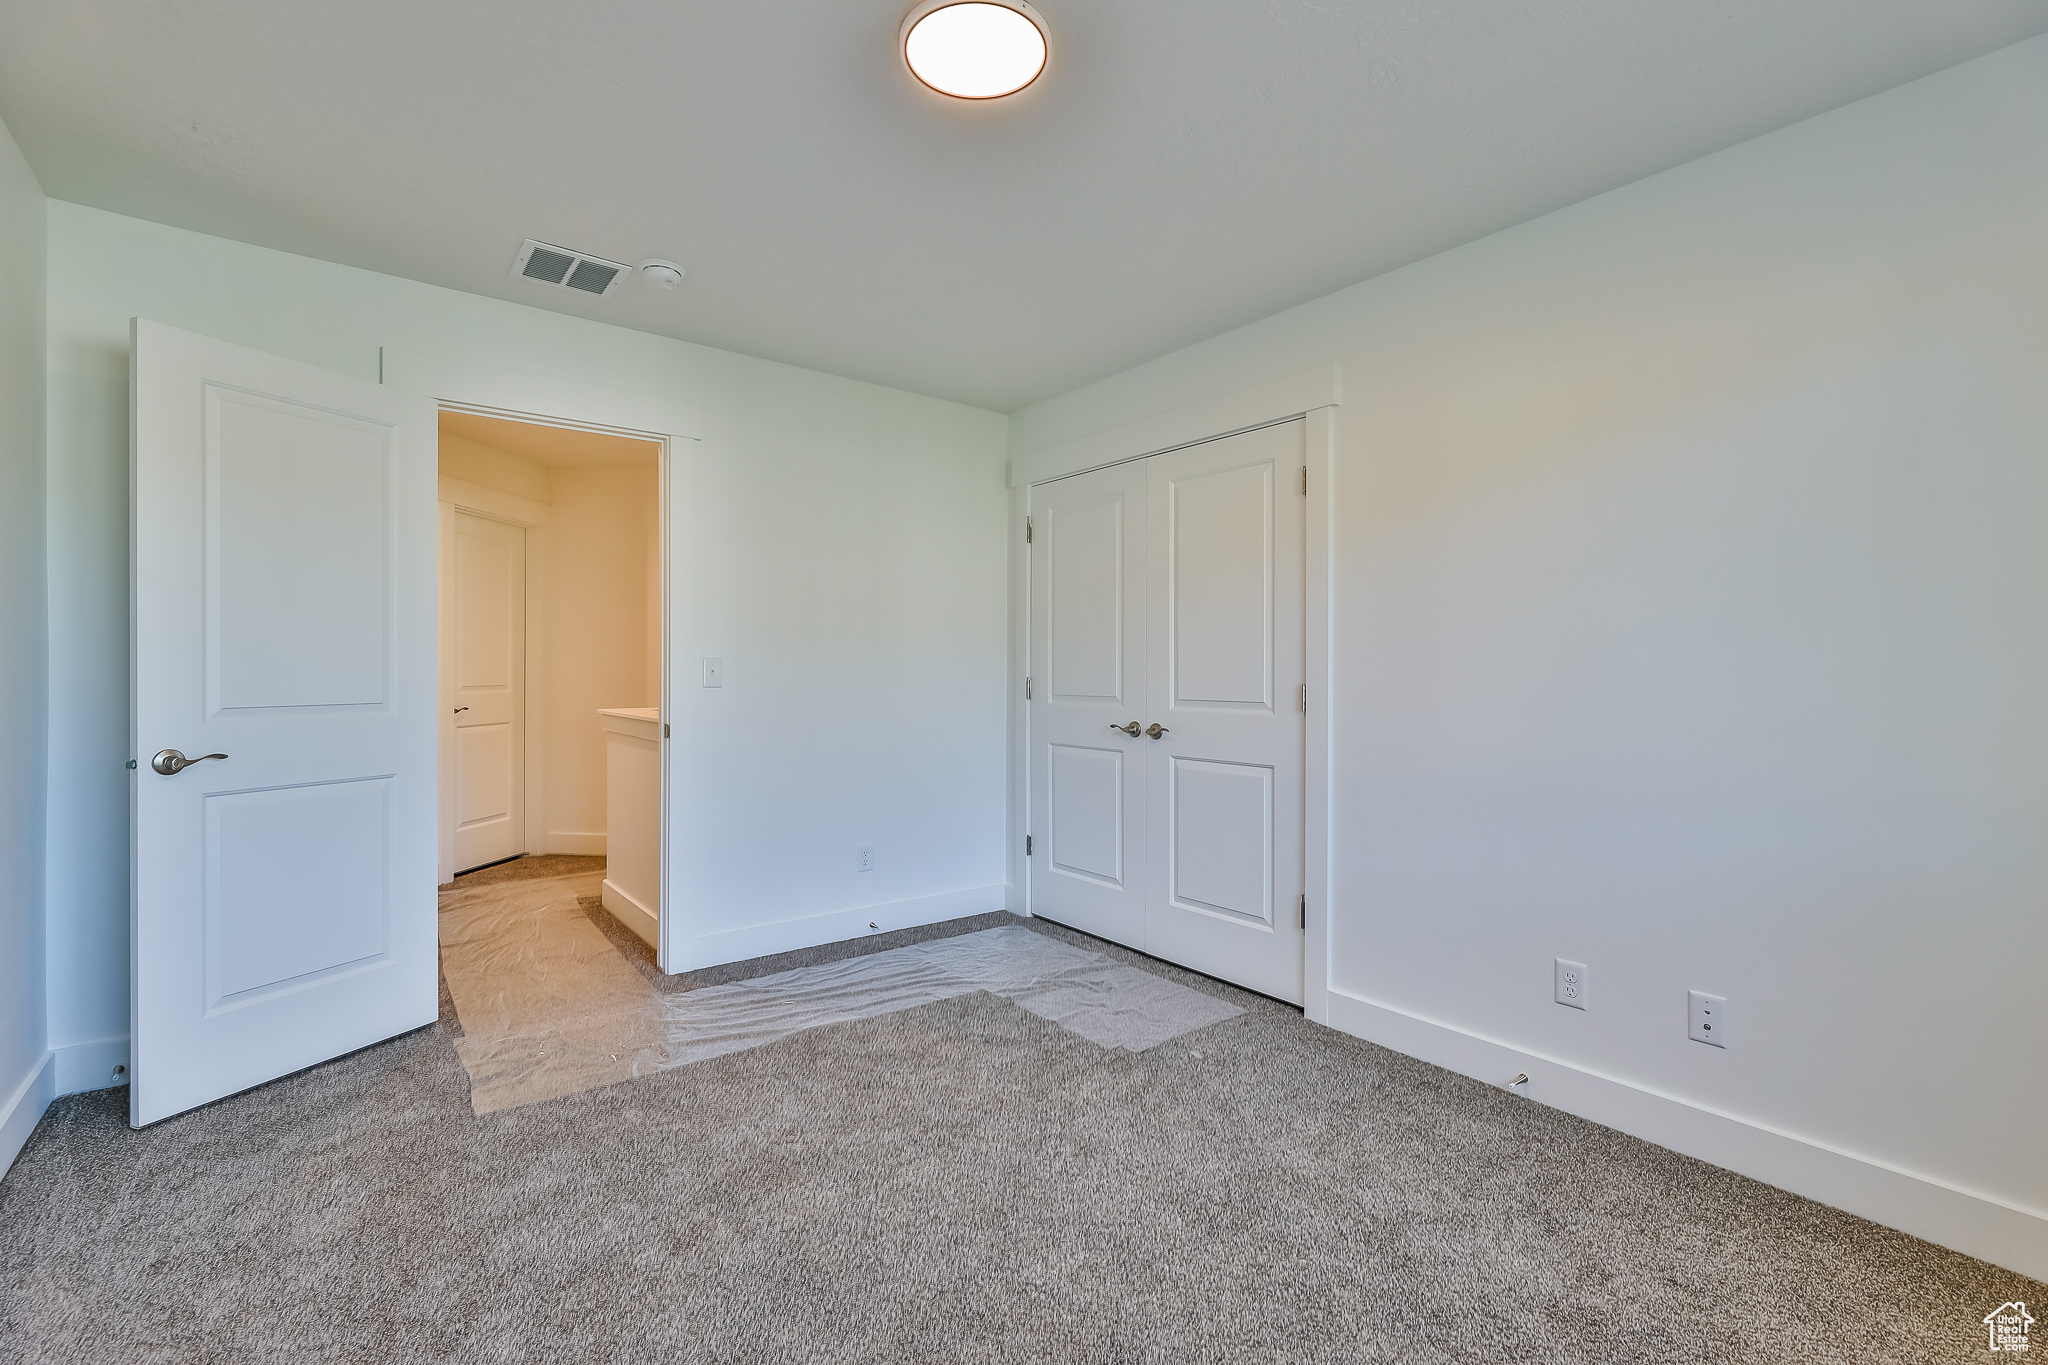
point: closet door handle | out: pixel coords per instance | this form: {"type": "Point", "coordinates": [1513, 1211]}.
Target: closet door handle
{"type": "Point", "coordinates": [1132, 729]}
{"type": "Point", "coordinates": [1155, 729]}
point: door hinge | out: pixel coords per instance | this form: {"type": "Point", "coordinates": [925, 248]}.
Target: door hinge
{"type": "Point", "coordinates": [1301, 912]}
{"type": "Point", "coordinates": [1027, 530]}
{"type": "Point", "coordinates": [1027, 689]}
{"type": "Point", "coordinates": [1304, 481]}
{"type": "Point", "coordinates": [664, 731]}
{"type": "Point", "coordinates": [1027, 846]}
{"type": "Point", "coordinates": [1304, 699]}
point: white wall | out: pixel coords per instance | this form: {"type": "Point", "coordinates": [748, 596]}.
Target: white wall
{"type": "Point", "coordinates": [650, 596]}
{"type": "Point", "coordinates": [25, 1081]}
{"type": "Point", "coordinates": [474, 462]}
{"type": "Point", "coordinates": [1691, 619]}
{"type": "Point", "coordinates": [838, 543]}
{"type": "Point", "coordinates": [596, 585]}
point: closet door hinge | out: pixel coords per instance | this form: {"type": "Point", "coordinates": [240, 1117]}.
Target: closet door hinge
{"type": "Point", "coordinates": [1027, 689]}
{"type": "Point", "coordinates": [1027, 530]}
{"type": "Point", "coordinates": [1027, 846]}
{"type": "Point", "coordinates": [1301, 912]}
{"type": "Point", "coordinates": [1304, 699]}
{"type": "Point", "coordinates": [1304, 481]}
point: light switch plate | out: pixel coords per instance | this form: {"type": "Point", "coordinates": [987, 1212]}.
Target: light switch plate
{"type": "Point", "coordinates": [1708, 1016]}
{"type": "Point", "coordinates": [714, 672]}
{"type": "Point", "coordinates": [1571, 983]}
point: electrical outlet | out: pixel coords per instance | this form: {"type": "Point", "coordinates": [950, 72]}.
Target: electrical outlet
{"type": "Point", "coordinates": [1709, 1018]}
{"type": "Point", "coordinates": [864, 858]}
{"type": "Point", "coordinates": [714, 672]}
{"type": "Point", "coordinates": [1571, 983]}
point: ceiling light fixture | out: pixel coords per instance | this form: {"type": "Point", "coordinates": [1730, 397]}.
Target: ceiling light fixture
{"type": "Point", "coordinates": [974, 49]}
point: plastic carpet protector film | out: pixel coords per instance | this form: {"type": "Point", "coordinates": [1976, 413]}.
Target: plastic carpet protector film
{"type": "Point", "coordinates": [549, 1008]}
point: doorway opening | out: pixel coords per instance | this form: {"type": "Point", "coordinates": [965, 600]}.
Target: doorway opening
{"type": "Point", "coordinates": [551, 652]}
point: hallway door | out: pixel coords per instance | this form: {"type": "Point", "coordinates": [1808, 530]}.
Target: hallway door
{"type": "Point", "coordinates": [282, 702]}
{"type": "Point", "coordinates": [485, 689]}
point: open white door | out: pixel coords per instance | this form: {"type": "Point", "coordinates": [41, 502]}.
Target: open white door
{"type": "Point", "coordinates": [283, 541]}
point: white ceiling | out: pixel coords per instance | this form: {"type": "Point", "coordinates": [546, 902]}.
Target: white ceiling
{"type": "Point", "coordinates": [1182, 167]}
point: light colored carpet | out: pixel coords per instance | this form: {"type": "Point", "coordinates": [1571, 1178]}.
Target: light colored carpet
{"type": "Point", "coordinates": [958, 1182]}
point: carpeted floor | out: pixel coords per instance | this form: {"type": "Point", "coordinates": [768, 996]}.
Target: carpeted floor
{"type": "Point", "coordinates": [960, 1182]}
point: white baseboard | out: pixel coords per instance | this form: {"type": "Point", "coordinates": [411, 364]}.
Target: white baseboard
{"type": "Point", "coordinates": [833, 926]}
{"type": "Point", "coordinates": [582, 845]}
{"type": "Point", "coordinates": [1972, 1224]}
{"type": "Point", "coordinates": [62, 1071]}
{"type": "Point", "coordinates": [627, 910]}
{"type": "Point", "coordinates": [90, 1066]}
{"type": "Point", "coordinates": [23, 1106]}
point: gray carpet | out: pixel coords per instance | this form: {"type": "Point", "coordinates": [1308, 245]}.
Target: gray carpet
{"type": "Point", "coordinates": [959, 1182]}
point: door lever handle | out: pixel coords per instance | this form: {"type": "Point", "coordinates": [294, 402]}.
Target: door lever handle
{"type": "Point", "coordinates": [170, 762]}
{"type": "Point", "coordinates": [1132, 729]}
{"type": "Point", "coordinates": [1155, 729]}
{"type": "Point", "coordinates": [460, 709]}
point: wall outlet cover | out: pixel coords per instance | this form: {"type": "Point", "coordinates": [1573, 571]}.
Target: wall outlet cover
{"type": "Point", "coordinates": [1707, 1017]}
{"type": "Point", "coordinates": [1570, 983]}
{"type": "Point", "coordinates": [864, 858]}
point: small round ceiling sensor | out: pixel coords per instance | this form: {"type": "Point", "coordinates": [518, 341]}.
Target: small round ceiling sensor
{"type": "Point", "coordinates": [974, 49]}
{"type": "Point", "coordinates": [666, 274]}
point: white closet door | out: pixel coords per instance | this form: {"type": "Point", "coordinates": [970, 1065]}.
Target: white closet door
{"type": "Point", "coordinates": [486, 692]}
{"type": "Point", "coordinates": [1088, 678]}
{"type": "Point", "coordinates": [1224, 793]}
{"type": "Point", "coordinates": [282, 552]}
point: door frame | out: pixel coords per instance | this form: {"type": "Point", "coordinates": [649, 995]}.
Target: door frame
{"type": "Point", "coordinates": [547, 400]}
{"type": "Point", "coordinates": [1312, 396]}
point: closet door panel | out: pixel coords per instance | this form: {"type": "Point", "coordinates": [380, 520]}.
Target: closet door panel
{"type": "Point", "coordinates": [1088, 672]}
{"type": "Point", "coordinates": [1225, 665]}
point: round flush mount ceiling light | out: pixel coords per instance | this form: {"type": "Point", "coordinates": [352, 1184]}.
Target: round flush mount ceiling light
{"type": "Point", "coordinates": [974, 49]}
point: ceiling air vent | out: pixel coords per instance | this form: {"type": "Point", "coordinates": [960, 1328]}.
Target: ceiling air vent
{"type": "Point", "coordinates": [566, 269]}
